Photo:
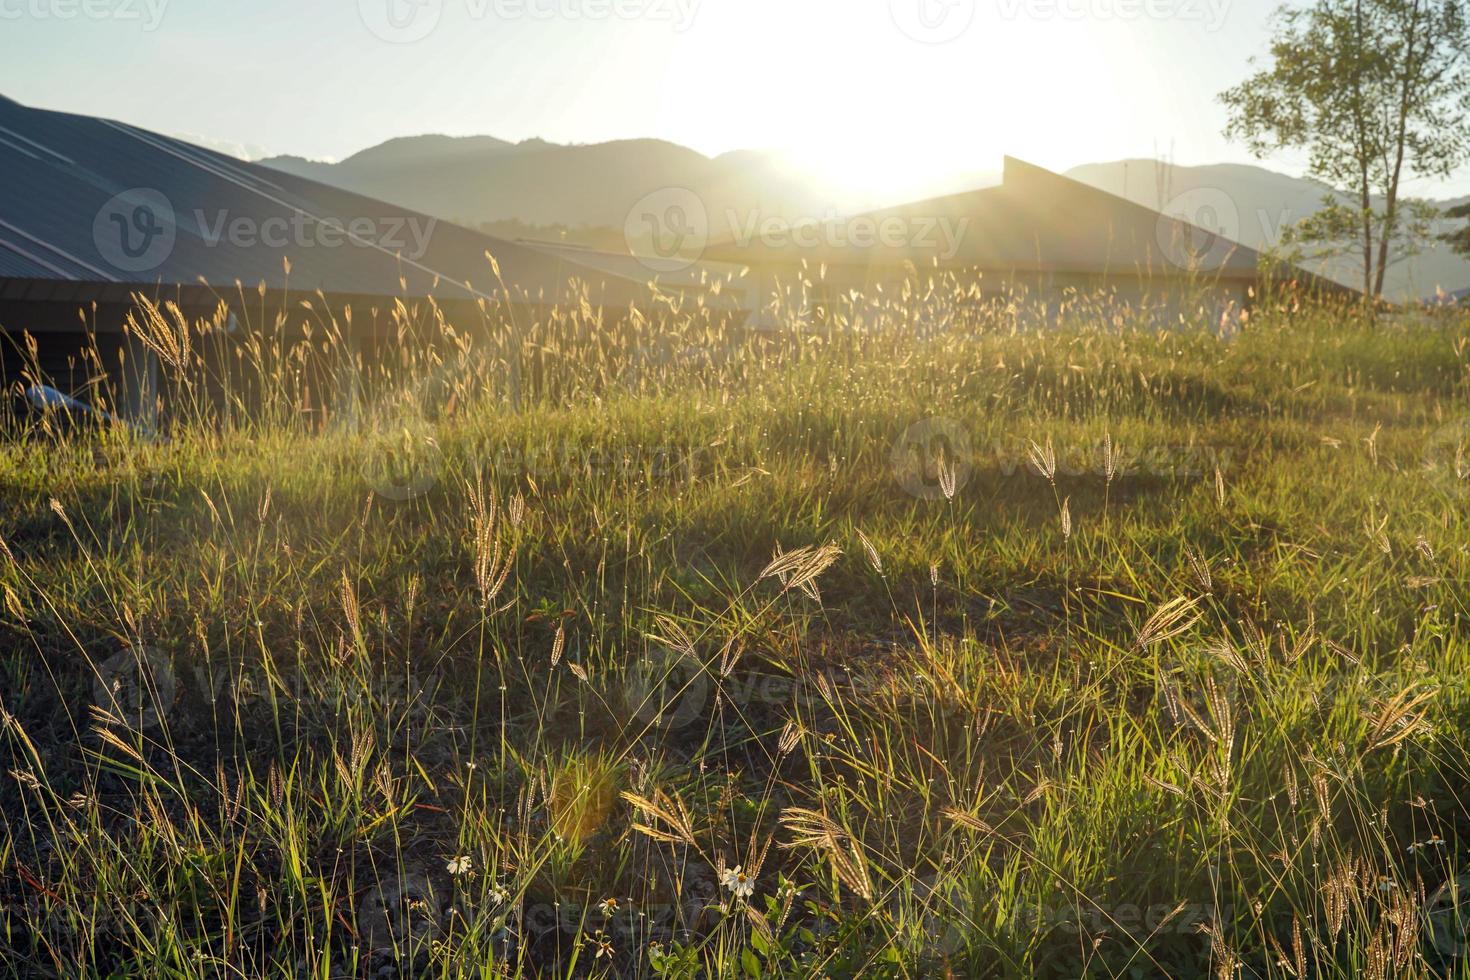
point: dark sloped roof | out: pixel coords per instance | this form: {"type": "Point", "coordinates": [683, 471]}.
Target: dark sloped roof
{"type": "Point", "coordinates": [1034, 220]}
{"type": "Point", "coordinates": [98, 207]}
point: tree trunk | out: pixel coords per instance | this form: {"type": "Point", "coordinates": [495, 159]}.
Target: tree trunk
{"type": "Point", "coordinates": [1390, 211]}
{"type": "Point", "coordinates": [1365, 189]}
{"type": "Point", "coordinates": [1365, 199]}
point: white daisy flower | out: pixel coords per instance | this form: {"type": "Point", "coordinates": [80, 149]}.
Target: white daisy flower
{"type": "Point", "coordinates": [740, 884]}
{"type": "Point", "coordinates": [461, 865]}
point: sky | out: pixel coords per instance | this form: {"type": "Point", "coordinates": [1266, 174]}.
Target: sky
{"type": "Point", "coordinates": [861, 91]}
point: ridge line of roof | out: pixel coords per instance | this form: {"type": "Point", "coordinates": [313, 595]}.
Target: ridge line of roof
{"type": "Point", "coordinates": [1129, 202]}
{"type": "Point", "coordinates": [299, 210]}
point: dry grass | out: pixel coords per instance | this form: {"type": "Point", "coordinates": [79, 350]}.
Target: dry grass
{"type": "Point", "coordinates": [521, 651]}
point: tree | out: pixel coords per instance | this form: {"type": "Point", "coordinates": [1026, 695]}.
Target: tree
{"type": "Point", "coordinates": [1459, 240]}
{"type": "Point", "coordinates": [1374, 91]}
{"type": "Point", "coordinates": [1334, 231]}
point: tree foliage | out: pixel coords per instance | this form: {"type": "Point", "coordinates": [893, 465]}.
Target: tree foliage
{"type": "Point", "coordinates": [1373, 91]}
{"type": "Point", "coordinates": [1459, 239]}
{"type": "Point", "coordinates": [1335, 229]}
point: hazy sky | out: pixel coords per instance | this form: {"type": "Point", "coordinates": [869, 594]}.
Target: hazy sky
{"type": "Point", "coordinates": [863, 89]}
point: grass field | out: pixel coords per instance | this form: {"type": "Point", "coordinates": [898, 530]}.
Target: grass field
{"type": "Point", "coordinates": [976, 651]}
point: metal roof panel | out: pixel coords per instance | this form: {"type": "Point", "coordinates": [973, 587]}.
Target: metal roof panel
{"type": "Point", "coordinates": [95, 201]}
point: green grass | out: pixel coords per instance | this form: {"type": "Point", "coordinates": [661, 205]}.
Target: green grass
{"type": "Point", "coordinates": [592, 614]}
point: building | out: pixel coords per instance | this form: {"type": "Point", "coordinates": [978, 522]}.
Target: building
{"type": "Point", "coordinates": [96, 213]}
{"type": "Point", "coordinates": [1037, 239]}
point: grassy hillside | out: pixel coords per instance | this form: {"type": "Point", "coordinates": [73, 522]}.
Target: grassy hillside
{"type": "Point", "coordinates": [575, 651]}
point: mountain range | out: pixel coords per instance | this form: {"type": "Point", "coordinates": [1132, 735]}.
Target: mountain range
{"type": "Point", "coordinates": [481, 180]}
{"type": "Point", "coordinates": [1253, 205]}
{"type": "Point", "coordinates": [585, 192]}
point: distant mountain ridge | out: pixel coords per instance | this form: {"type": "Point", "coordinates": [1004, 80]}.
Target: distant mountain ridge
{"type": "Point", "coordinates": [481, 180]}
{"type": "Point", "coordinates": [1258, 204]}
{"type": "Point", "coordinates": [587, 191]}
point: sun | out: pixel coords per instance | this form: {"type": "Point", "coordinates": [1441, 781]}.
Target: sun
{"type": "Point", "coordinates": [871, 113]}
{"type": "Point", "coordinates": [867, 173]}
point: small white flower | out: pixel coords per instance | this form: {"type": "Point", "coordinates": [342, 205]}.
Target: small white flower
{"type": "Point", "coordinates": [461, 865]}
{"type": "Point", "coordinates": [499, 896]}
{"type": "Point", "coordinates": [740, 884]}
